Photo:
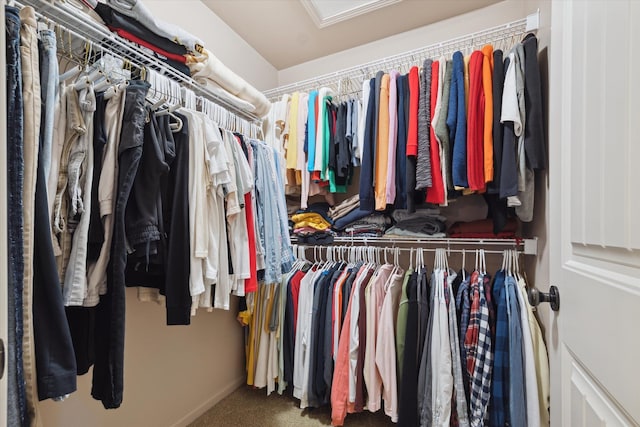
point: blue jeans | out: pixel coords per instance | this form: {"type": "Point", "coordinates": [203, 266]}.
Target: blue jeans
{"type": "Point", "coordinates": [17, 406]}
{"type": "Point", "coordinates": [49, 94]}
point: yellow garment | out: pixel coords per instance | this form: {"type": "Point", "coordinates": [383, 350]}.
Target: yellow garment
{"type": "Point", "coordinates": [250, 346]}
{"type": "Point", "coordinates": [540, 356]}
{"type": "Point", "coordinates": [466, 83]}
{"type": "Point", "coordinates": [382, 146]}
{"type": "Point", "coordinates": [267, 315]}
{"type": "Point", "coordinates": [310, 219]}
{"type": "Point", "coordinates": [487, 87]}
{"type": "Point", "coordinates": [291, 152]}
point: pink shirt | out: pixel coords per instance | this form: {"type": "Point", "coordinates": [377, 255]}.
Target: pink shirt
{"type": "Point", "coordinates": [340, 383]}
{"type": "Point", "coordinates": [376, 291]}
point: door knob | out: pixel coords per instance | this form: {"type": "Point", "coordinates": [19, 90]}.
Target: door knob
{"type": "Point", "coordinates": [553, 297]}
{"type": "Point", "coordinates": [2, 358]}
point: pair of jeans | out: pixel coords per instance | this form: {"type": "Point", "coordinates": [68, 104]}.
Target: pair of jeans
{"type": "Point", "coordinates": [80, 181]}
{"type": "Point", "coordinates": [75, 127]}
{"type": "Point", "coordinates": [55, 359]}
{"type": "Point", "coordinates": [49, 93]}
{"type": "Point", "coordinates": [16, 410]}
{"type": "Point", "coordinates": [108, 371]}
{"type": "Point", "coordinates": [31, 141]}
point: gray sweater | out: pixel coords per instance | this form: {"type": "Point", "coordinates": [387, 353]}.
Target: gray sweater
{"type": "Point", "coordinates": [423, 162]}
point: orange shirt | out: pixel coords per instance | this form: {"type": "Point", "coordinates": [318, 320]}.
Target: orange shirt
{"type": "Point", "coordinates": [382, 146]}
{"type": "Point", "coordinates": [487, 86]}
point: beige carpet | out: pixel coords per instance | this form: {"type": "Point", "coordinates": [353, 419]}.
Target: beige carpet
{"type": "Point", "coordinates": [248, 407]}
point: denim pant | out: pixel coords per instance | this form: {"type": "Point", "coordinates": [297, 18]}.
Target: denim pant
{"type": "Point", "coordinates": [108, 370]}
{"type": "Point", "coordinates": [55, 360]}
{"type": "Point", "coordinates": [31, 135]}
{"type": "Point", "coordinates": [17, 412]}
{"type": "Point", "coordinates": [49, 92]}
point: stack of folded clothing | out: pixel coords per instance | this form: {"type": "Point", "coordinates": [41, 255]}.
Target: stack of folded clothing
{"type": "Point", "coordinates": [483, 229]}
{"type": "Point", "coordinates": [422, 223]}
{"type": "Point", "coordinates": [123, 22]}
{"type": "Point", "coordinates": [344, 207]}
{"type": "Point", "coordinates": [373, 225]}
{"type": "Point", "coordinates": [313, 226]}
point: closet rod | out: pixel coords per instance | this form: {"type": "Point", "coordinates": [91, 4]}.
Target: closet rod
{"type": "Point", "coordinates": [414, 57]}
{"type": "Point", "coordinates": [86, 28]}
{"type": "Point", "coordinates": [391, 249]}
{"type": "Point", "coordinates": [528, 246]}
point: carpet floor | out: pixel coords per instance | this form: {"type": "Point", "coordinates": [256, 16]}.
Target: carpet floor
{"type": "Point", "coordinates": [249, 407]}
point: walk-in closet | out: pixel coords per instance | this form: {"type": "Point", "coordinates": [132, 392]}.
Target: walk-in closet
{"type": "Point", "coordinates": [319, 212]}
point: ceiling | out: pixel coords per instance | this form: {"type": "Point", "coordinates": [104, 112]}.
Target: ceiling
{"type": "Point", "coordinates": [285, 34]}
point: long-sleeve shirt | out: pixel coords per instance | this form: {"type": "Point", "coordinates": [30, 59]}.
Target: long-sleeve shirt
{"type": "Point", "coordinates": [457, 123]}
{"type": "Point", "coordinates": [435, 194]}
{"type": "Point", "coordinates": [382, 146]}
{"type": "Point", "coordinates": [475, 129]}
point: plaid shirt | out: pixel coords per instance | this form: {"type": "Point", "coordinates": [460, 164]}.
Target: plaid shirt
{"type": "Point", "coordinates": [498, 415]}
{"type": "Point", "coordinates": [479, 356]}
{"type": "Point", "coordinates": [463, 306]}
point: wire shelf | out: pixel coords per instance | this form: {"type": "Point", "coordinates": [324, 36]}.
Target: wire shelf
{"type": "Point", "coordinates": [528, 246]}
{"type": "Point", "coordinates": [413, 57]}
{"type": "Point", "coordinates": [76, 22]}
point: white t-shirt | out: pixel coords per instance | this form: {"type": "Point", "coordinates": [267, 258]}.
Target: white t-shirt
{"type": "Point", "coordinates": [198, 227]}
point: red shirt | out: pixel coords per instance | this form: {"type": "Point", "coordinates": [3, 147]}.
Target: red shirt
{"type": "Point", "coordinates": [250, 284]}
{"type": "Point", "coordinates": [126, 35]}
{"type": "Point", "coordinates": [475, 124]}
{"type": "Point", "coordinates": [412, 131]}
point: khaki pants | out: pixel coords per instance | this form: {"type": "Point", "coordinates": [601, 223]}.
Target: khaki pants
{"type": "Point", "coordinates": [32, 107]}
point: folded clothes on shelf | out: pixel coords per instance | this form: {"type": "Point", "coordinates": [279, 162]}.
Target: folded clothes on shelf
{"type": "Point", "coordinates": [310, 220]}
{"type": "Point", "coordinates": [344, 207]}
{"type": "Point", "coordinates": [353, 216]}
{"type": "Point", "coordinates": [316, 238]}
{"type": "Point", "coordinates": [420, 226]}
{"type": "Point", "coordinates": [483, 229]}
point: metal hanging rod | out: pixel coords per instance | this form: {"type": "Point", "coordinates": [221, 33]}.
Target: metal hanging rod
{"type": "Point", "coordinates": [79, 24]}
{"type": "Point", "coordinates": [390, 250]}
{"type": "Point", "coordinates": [412, 57]}
{"type": "Point", "coordinates": [528, 246]}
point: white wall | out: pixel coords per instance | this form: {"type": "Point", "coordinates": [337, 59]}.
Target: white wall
{"type": "Point", "coordinates": [478, 20]}
{"type": "Point", "coordinates": [219, 38]}
{"type": "Point", "coordinates": [172, 374]}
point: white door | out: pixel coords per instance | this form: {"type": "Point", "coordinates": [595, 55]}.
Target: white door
{"type": "Point", "coordinates": [594, 340]}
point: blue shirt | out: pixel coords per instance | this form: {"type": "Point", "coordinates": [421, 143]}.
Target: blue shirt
{"type": "Point", "coordinates": [311, 131]}
{"type": "Point", "coordinates": [498, 417]}
{"type": "Point", "coordinates": [457, 122]}
{"type": "Point", "coordinates": [517, 394]}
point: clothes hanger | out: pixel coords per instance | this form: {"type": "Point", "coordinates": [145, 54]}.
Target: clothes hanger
{"type": "Point", "coordinates": [464, 264]}
{"type": "Point", "coordinates": [411, 258]}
